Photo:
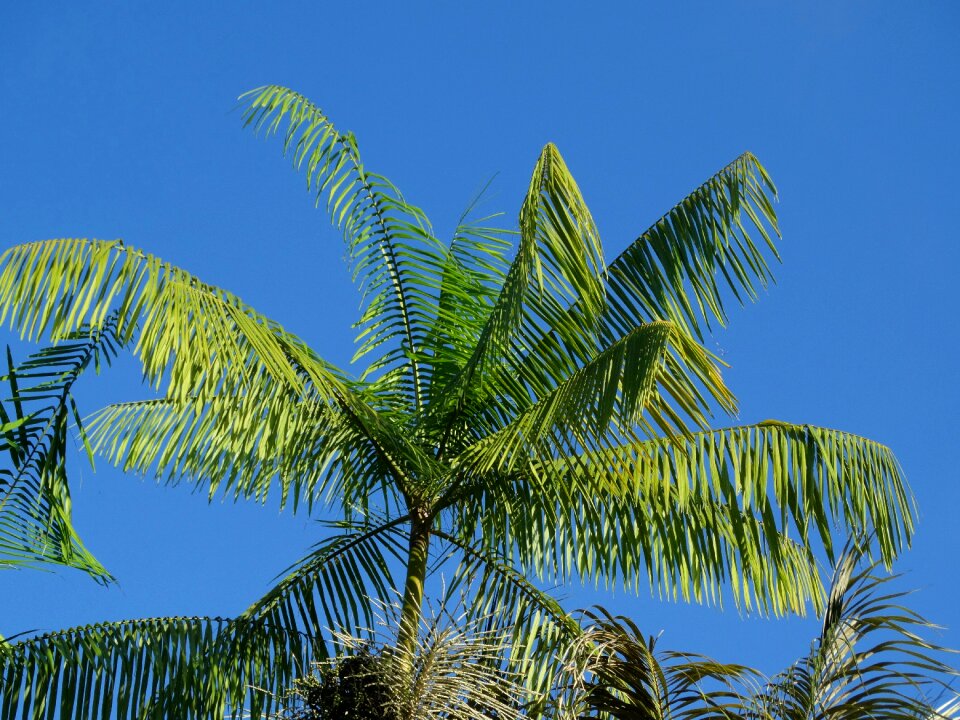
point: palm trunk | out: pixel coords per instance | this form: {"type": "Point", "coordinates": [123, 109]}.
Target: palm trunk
{"type": "Point", "coordinates": [411, 609]}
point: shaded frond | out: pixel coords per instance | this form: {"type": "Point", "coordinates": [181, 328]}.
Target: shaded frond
{"type": "Point", "coordinates": [135, 670]}
{"type": "Point", "coordinates": [35, 506]}
{"type": "Point", "coordinates": [473, 275]}
{"type": "Point", "coordinates": [337, 585]}
{"type": "Point", "coordinates": [870, 659]}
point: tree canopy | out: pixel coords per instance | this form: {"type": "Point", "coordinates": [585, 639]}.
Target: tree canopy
{"type": "Point", "coordinates": [527, 410]}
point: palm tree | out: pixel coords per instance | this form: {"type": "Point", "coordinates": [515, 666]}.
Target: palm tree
{"type": "Point", "coordinates": [541, 415]}
{"type": "Point", "coordinates": [869, 661]}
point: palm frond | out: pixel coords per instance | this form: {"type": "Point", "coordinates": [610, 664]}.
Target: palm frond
{"type": "Point", "coordinates": [476, 266]}
{"type": "Point", "coordinates": [206, 341]}
{"type": "Point", "coordinates": [201, 667]}
{"type": "Point", "coordinates": [198, 336]}
{"type": "Point", "coordinates": [870, 659]}
{"type": "Point", "coordinates": [337, 584]}
{"type": "Point", "coordinates": [559, 261]}
{"type": "Point", "coordinates": [614, 669]}
{"type": "Point", "coordinates": [395, 256]}
{"type": "Point", "coordinates": [679, 270]}
{"type": "Point", "coordinates": [35, 506]}
{"type": "Point", "coordinates": [650, 380]}
{"type": "Point", "coordinates": [243, 445]}
{"type": "Point", "coordinates": [743, 508]}
{"type": "Point", "coordinates": [680, 267]}
{"type": "Point", "coordinates": [121, 670]}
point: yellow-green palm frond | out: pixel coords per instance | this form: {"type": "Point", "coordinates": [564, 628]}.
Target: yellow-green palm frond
{"type": "Point", "coordinates": [559, 261]}
{"type": "Point", "coordinates": [741, 508]}
{"type": "Point", "coordinates": [205, 341]}
{"type": "Point", "coordinates": [197, 336]}
{"type": "Point", "coordinates": [395, 257]}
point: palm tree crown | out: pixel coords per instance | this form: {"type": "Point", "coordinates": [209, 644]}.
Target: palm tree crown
{"type": "Point", "coordinates": [539, 413]}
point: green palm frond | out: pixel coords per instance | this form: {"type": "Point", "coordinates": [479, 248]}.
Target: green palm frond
{"type": "Point", "coordinates": [338, 583]}
{"type": "Point", "coordinates": [395, 256]}
{"type": "Point", "coordinates": [201, 667]}
{"type": "Point", "coordinates": [648, 382]}
{"type": "Point", "coordinates": [680, 268]}
{"type": "Point", "coordinates": [677, 270]}
{"type": "Point", "coordinates": [559, 261]}
{"type": "Point", "coordinates": [693, 552]}
{"type": "Point", "coordinates": [243, 445]}
{"type": "Point", "coordinates": [476, 267]}
{"type": "Point", "coordinates": [133, 670]}
{"type": "Point", "coordinates": [739, 508]}
{"type": "Point", "coordinates": [35, 506]}
{"type": "Point", "coordinates": [207, 342]}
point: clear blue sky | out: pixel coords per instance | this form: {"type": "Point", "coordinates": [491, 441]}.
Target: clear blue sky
{"type": "Point", "coordinates": [118, 121]}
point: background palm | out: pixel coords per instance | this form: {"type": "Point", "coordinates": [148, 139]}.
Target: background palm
{"type": "Point", "coordinates": [541, 417]}
{"type": "Point", "coordinates": [869, 661]}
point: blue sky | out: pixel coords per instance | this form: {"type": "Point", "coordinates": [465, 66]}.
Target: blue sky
{"type": "Point", "coordinates": [119, 120]}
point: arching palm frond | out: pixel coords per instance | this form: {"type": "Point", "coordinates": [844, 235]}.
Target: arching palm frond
{"type": "Point", "coordinates": [209, 345]}
{"type": "Point", "coordinates": [199, 337]}
{"type": "Point", "coordinates": [122, 669]}
{"type": "Point", "coordinates": [641, 385]}
{"type": "Point", "coordinates": [35, 507]}
{"type": "Point", "coordinates": [676, 271]}
{"type": "Point", "coordinates": [394, 254]}
{"type": "Point", "coordinates": [680, 268]}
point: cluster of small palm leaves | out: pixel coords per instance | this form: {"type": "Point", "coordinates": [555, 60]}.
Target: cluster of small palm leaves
{"type": "Point", "coordinates": [455, 672]}
{"type": "Point", "coordinates": [526, 410]}
{"type": "Point", "coordinates": [870, 661]}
